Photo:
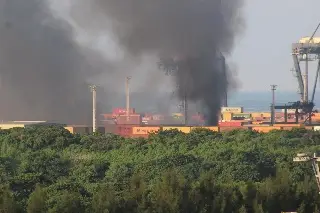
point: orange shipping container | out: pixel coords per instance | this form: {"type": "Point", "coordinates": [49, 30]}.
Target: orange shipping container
{"type": "Point", "coordinates": [230, 128]}
{"type": "Point", "coordinates": [309, 127]}
{"type": "Point", "coordinates": [317, 115]}
{"type": "Point", "coordinates": [266, 114]}
{"type": "Point", "coordinates": [212, 128]}
{"type": "Point", "coordinates": [182, 129]}
{"type": "Point", "coordinates": [144, 130]}
{"type": "Point", "coordinates": [256, 114]}
{"type": "Point", "coordinates": [256, 122]}
{"type": "Point", "coordinates": [266, 128]}
{"type": "Point", "coordinates": [289, 128]}
{"type": "Point", "coordinates": [227, 116]}
{"type": "Point", "coordinates": [290, 125]}
{"type": "Point", "coordinates": [70, 129]}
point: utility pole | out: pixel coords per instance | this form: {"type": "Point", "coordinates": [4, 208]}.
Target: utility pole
{"type": "Point", "coordinates": [302, 157]}
{"type": "Point", "coordinates": [224, 70]}
{"type": "Point", "coordinates": [94, 107]}
{"type": "Point", "coordinates": [185, 105]}
{"type": "Point", "coordinates": [128, 98]}
{"type": "Point", "coordinates": [273, 89]}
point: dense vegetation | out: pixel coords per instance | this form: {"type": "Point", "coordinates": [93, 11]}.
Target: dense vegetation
{"type": "Point", "coordinates": [47, 169]}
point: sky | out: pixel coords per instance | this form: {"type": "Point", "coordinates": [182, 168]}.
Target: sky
{"type": "Point", "coordinates": [262, 53]}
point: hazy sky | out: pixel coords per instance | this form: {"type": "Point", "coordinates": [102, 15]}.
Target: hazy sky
{"type": "Point", "coordinates": [262, 55]}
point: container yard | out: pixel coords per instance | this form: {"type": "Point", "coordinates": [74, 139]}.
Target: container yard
{"type": "Point", "coordinates": [141, 125]}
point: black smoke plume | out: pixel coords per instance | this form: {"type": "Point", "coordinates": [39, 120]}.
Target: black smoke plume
{"type": "Point", "coordinates": [196, 32]}
{"type": "Point", "coordinates": [42, 69]}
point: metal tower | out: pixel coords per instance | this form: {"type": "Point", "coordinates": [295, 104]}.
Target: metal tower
{"type": "Point", "coordinates": [306, 50]}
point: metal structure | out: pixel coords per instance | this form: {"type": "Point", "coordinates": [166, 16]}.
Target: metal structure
{"type": "Point", "coordinates": [273, 89]}
{"type": "Point", "coordinates": [171, 66]}
{"type": "Point", "coordinates": [94, 107]}
{"type": "Point", "coordinates": [302, 157]}
{"type": "Point", "coordinates": [300, 108]}
{"type": "Point", "coordinates": [128, 97]}
{"type": "Point", "coordinates": [306, 50]}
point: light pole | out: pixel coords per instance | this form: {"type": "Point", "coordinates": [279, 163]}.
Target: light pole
{"type": "Point", "coordinates": [94, 107]}
{"type": "Point", "coordinates": [128, 97]}
{"type": "Point", "coordinates": [273, 89]}
{"type": "Point", "coordinates": [302, 157]}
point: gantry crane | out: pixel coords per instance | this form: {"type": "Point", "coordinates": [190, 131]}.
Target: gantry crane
{"type": "Point", "coordinates": [307, 49]}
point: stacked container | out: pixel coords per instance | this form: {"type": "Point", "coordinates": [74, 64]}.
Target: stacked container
{"type": "Point", "coordinates": [128, 120]}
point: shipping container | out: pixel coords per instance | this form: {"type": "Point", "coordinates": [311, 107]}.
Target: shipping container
{"type": "Point", "coordinates": [157, 117]}
{"type": "Point", "coordinates": [232, 109]}
{"type": "Point", "coordinates": [256, 122]}
{"type": "Point", "coordinates": [128, 120]}
{"type": "Point", "coordinates": [110, 128]}
{"type": "Point", "coordinates": [290, 125]}
{"type": "Point", "coordinates": [316, 128]}
{"type": "Point", "coordinates": [230, 123]}
{"type": "Point", "coordinates": [227, 116]}
{"type": "Point", "coordinates": [309, 127]}
{"type": "Point", "coordinates": [265, 129]}
{"type": "Point", "coordinates": [124, 130]}
{"type": "Point", "coordinates": [292, 111]}
{"type": "Point", "coordinates": [266, 114]}
{"type": "Point", "coordinates": [256, 115]}
{"type": "Point", "coordinates": [288, 128]}
{"type": "Point", "coordinates": [177, 115]}
{"type": "Point", "coordinates": [212, 128]}
{"type": "Point", "coordinates": [144, 130]}
{"type": "Point", "coordinates": [137, 136]}
{"type": "Point", "coordinates": [230, 128]}
{"type": "Point", "coordinates": [107, 116]}
{"type": "Point", "coordinates": [241, 115]}
{"type": "Point", "coordinates": [182, 129]}
{"type": "Point", "coordinates": [10, 126]}
{"type": "Point", "coordinates": [122, 111]}
{"type": "Point", "coordinates": [70, 129]}
{"type": "Point", "coordinates": [83, 129]}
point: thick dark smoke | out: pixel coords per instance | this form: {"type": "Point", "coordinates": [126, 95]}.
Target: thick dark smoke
{"type": "Point", "coordinates": [42, 69]}
{"type": "Point", "coordinates": [194, 31]}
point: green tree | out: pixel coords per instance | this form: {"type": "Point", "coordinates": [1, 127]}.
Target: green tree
{"type": "Point", "coordinates": [168, 193]}
{"type": "Point", "coordinates": [37, 201]}
{"type": "Point", "coordinates": [68, 202]}
{"type": "Point", "coordinates": [104, 200]}
{"type": "Point", "coordinates": [7, 203]}
{"type": "Point", "coordinates": [243, 209]}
